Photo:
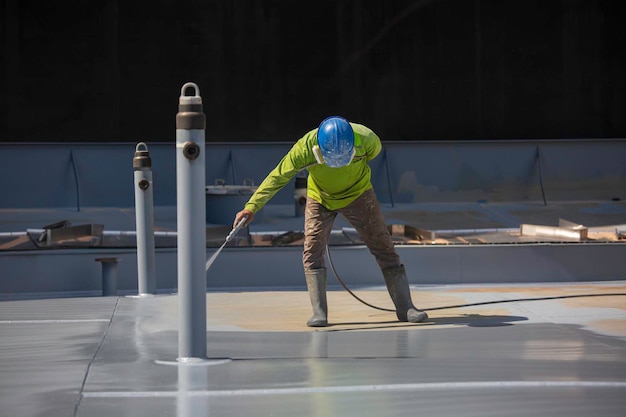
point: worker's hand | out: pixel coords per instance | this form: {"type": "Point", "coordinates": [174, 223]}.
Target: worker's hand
{"type": "Point", "coordinates": [241, 215]}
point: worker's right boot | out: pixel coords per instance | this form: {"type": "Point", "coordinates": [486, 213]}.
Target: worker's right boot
{"type": "Point", "coordinates": [316, 285]}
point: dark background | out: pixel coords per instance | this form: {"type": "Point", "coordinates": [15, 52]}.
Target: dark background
{"type": "Point", "coordinates": [111, 70]}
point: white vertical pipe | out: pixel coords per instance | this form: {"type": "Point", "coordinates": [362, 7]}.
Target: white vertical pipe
{"type": "Point", "coordinates": [144, 219]}
{"type": "Point", "coordinates": [191, 225]}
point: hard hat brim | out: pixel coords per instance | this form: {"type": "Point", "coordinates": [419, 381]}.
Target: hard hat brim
{"type": "Point", "coordinates": [338, 161]}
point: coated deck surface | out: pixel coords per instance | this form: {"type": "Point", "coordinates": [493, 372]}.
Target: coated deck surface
{"type": "Point", "coordinates": [519, 350]}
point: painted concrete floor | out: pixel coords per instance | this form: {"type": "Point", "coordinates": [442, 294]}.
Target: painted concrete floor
{"type": "Point", "coordinates": [557, 350]}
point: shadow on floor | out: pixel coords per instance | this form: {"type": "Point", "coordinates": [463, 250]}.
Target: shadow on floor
{"type": "Point", "coordinates": [470, 320]}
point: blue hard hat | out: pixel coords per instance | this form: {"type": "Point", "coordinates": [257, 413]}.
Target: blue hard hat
{"type": "Point", "coordinates": [335, 139]}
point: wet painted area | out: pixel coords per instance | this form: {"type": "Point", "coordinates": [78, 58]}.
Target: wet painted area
{"type": "Point", "coordinates": [515, 350]}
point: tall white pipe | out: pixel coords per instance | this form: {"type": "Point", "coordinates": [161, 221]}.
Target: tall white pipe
{"type": "Point", "coordinates": [191, 225]}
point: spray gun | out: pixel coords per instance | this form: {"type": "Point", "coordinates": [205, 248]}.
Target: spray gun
{"type": "Point", "coordinates": [236, 229]}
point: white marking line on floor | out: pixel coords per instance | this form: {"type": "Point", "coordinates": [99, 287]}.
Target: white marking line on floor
{"type": "Point", "coordinates": [360, 388]}
{"type": "Point", "coordinates": [53, 321]}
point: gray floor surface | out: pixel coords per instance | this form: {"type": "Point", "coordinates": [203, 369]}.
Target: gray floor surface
{"type": "Point", "coordinates": [117, 356]}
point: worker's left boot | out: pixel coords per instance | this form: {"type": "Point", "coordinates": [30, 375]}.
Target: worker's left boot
{"type": "Point", "coordinates": [398, 287]}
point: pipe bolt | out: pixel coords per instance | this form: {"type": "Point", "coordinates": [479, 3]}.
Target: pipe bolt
{"type": "Point", "coordinates": [144, 184]}
{"type": "Point", "coordinates": [191, 150]}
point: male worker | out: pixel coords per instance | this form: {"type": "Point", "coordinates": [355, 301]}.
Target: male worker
{"type": "Point", "coordinates": [336, 154]}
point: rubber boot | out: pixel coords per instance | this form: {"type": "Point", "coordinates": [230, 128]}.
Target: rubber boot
{"type": "Point", "coordinates": [398, 287]}
{"type": "Point", "coordinates": [316, 284]}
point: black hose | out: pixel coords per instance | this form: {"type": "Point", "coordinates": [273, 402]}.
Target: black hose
{"type": "Point", "coordinates": [543, 193]}
{"type": "Point", "coordinates": [73, 162]}
{"type": "Point", "coordinates": [388, 177]}
{"type": "Point", "coordinates": [558, 297]}
{"type": "Point", "coordinates": [332, 266]}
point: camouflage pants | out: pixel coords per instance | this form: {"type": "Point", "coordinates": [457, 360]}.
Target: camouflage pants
{"type": "Point", "coordinates": [364, 214]}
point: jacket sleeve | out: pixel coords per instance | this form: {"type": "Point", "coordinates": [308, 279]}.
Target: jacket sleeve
{"type": "Point", "coordinates": [294, 161]}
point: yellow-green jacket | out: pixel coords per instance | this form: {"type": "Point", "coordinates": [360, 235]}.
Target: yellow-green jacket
{"type": "Point", "coordinates": [334, 188]}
